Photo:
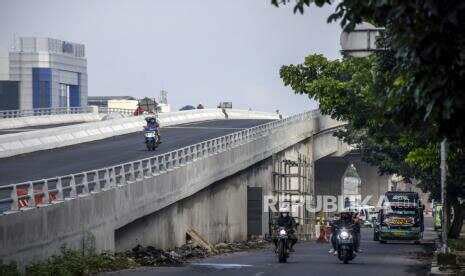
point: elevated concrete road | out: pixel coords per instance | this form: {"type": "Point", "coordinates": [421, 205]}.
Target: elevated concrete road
{"type": "Point", "coordinates": [399, 259]}
{"type": "Point", "coordinates": [31, 128]}
{"type": "Point", "coordinates": [116, 150]}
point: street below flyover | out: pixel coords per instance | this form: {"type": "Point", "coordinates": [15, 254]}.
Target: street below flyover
{"type": "Point", "coordinates": [311, 258]}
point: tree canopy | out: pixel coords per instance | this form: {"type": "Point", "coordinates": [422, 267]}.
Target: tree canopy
{"type": "Point", "coordinates": [427, 38]}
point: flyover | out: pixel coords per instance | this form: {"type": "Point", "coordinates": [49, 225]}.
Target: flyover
{"type": "Point", "coordinates": [155, 200]}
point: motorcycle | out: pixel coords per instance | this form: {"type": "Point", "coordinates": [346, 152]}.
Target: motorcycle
{"type": "Point", "coordinates": [151, 138]}
{"type": "Point", "coordinates": [345, 245]}
{"type": "Point", "coordinates": [282, 245]}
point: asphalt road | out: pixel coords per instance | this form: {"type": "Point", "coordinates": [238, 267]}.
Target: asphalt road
{"type": "Point", "coordinates": [112, 151]}
{"type": "Point", "coordinates": [31, 128]}
{"type": "Point", "coordinates": [310, 258]}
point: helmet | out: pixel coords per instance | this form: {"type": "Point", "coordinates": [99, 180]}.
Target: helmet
{"type": "Point", "coordinates": [346, 216]}
{"type": "Point", "coordinates": [150, 119]}
{"type": "Point", "coordinates": [284, 208]}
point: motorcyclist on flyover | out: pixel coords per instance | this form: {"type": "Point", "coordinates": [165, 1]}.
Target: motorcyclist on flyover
{"type": "Point", "coordinates": [153, 124]}
{"type": "Point", "coordinates": [288, 222]}
{"type": "Point", "coordinates": [346, 220]}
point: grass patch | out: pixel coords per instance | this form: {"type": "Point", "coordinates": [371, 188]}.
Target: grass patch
{"type": "Point", "coordinates": [10, 269]}
{"type": "Point", "coordinates": [78, 262]}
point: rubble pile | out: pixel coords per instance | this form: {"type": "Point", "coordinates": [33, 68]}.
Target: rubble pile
{"type": "Point", "coordinates": [240, 246]}
{"type": "Point", "coordinates": [151, 256]}
{"type": "Point", "coordinates": [192, 251]}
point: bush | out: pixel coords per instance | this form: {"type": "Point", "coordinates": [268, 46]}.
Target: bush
{"type": "Point", "coordinates": [457, 244]}
{"type": "Point", "coordinates": [79, 262]}
{"type": "Point", "coordinates": [10, 269]}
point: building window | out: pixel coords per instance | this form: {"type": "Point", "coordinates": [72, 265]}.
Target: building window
{"type": "Point", "coordinates": [64, 95]}
{"type": "Point", "coordinates": [44, 94]}
{"type": "Point", "coordinates": [41, 80]}
{"type": "Point", "coordinates": [9, 95]}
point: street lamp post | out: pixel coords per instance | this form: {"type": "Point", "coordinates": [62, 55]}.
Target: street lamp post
{"type": "Point", "coordinates": [445, 225]}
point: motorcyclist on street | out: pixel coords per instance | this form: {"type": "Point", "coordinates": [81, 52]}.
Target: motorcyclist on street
{"type": "Point", "coordinates": [153, 124]}
{"type": "Point", "coordinates": [288, 222]}
{"type": "Point", "coordinates": [346, 220]}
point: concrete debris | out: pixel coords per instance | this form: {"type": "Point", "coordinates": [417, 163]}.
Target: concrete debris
{"type": "Point", "coordinates": [151, 256]}
{"type": "Point", "coordinates": [240, 246]}
{"type": "Point", "coordinates": [192, 251]}
{"type": "Point", "coordinates": [195, 236]}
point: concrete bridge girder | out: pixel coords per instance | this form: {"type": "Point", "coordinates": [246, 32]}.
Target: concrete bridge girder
{"type": "Point", "coordinates": [326, 144]}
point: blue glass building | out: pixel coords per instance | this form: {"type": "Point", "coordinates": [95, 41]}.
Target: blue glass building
{"type": "Point", "coordinates": [43, 73]}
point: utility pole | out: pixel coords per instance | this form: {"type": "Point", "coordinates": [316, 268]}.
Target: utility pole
{"type": "Point", "coordinates": [445, 224]}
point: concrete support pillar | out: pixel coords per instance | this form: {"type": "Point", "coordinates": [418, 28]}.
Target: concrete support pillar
{"type": "Point", "coordinates": [328, 175]}
{"type": "Point", "coordinates": [371, 182]}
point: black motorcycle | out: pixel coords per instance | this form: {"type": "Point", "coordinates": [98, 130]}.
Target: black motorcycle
{"type": "Point", "coordinates": [345, 245]}
{"type": "Point", "coordinates": [282, 244]}
{"type": "Point", "coordinates": [151, 138]}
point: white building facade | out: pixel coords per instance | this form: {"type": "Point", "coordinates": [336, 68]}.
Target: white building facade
{"type": "Point", "coordinates": [361, 41]}
{"type": "Point", "coordinates": [47, 72]}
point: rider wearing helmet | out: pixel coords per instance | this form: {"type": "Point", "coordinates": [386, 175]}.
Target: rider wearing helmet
{"type": "Point", "coordinates": [346, 219]}
{"type": "Point", "coordinates": [287, 221]}
{"type": "Point", "coordinates": [153, 124]}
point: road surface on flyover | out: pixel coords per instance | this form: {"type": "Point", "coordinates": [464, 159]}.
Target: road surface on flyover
{"type": "Point", "coordinates": [112, 151]}
{"type": "Point", "coordinates": [310, 258]}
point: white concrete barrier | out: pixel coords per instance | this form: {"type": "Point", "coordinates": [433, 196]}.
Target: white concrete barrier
{"type": "Point", "coordinates": [8, 123]}
{"type": "Point", "coordinates": [246, 114]}
{"type": "Point", "coordinates": [20, 143]}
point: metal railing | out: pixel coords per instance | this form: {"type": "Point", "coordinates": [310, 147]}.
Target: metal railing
{"type": "Point", "coordinates": [32, 194]}
{"type": "Point", "coordinates": [43, 111]}
{"type": "Point", "coordinates": [107, 110]}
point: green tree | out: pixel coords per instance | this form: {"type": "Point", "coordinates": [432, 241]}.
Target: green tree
{"type": "Point", "coordinates": [427, 38]}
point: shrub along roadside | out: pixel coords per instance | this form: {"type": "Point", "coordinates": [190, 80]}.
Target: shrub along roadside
{"type": "Point", "coordinates": [73, 262]}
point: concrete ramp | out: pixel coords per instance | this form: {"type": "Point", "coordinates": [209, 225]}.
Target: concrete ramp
{"type": "Point", "coordinates": [20, 143]}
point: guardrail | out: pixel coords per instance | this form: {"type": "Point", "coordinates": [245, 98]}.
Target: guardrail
{"type": "Point", "coordinates": [38, 193]}
{"type": "Point", "coordinates": [43, 111]}
{"type": "Point", "coordinates": [107, 110]}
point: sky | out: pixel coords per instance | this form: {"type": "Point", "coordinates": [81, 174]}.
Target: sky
{"type": "Point", "coordinates": [203, 51]}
